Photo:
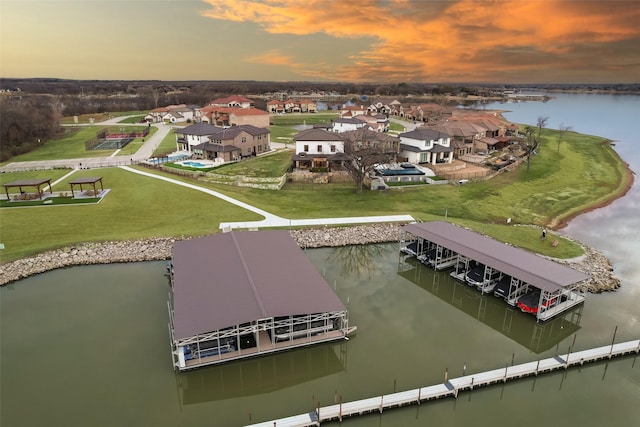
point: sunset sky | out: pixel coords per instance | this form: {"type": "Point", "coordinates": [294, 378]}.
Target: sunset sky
{"type": "Point", "coordinates": [516, 41]}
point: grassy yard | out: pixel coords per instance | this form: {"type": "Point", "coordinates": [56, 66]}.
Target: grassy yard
{"type": "Point", "coordinates": [584, 173]}
{"type": "Point", "coordinates": [100, 117]}
{"type": "Point", "coordinates": [136, 207]}
{"type": "Point", "coordinates": [71, 145]}
{"type": "Point", "coordinates": [282, 127]}
{"type": "Point", "coordinates": [292, 119]}
{"type": "Point", "coordinates": [266, 166]}
{"type": "Point", "coordinates": [167, 146]}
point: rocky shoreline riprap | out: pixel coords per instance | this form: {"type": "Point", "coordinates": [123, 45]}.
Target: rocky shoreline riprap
{"type": "Point", "coordinates": [152, 249]}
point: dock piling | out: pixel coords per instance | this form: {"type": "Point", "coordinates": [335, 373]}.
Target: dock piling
{"type": "Point", "coordinates": [452, 388]}
{"type": "Point", "coordinates": [613, 340]}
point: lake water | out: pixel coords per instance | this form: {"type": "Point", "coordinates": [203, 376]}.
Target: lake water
{"type": "Point", "coordinates": [90, 346]}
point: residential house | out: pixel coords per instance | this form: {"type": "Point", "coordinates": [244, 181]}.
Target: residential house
{"type": "Point", "coordinates": [376, 122]}
{"type": "Point", "coordinates": [463, 133]}
{"type": "Point", "coordinates": [232, 116]}
{"type": "Point", "coordinates": [424, 145]}
{"type": "Point", "coordinates": [171, 113]}
{"type": "Point", "coordinates": [236, 101]}
{"type": "Point", "coordinates": [318, 148]}
{"type": "Point", "coordinates": [366, 138]}
{"type": "Point", "coordinates": [347, 124]}
{"type": "Point", "coordinates": [275, 107]}
{"type": "Point", "coordinates": [352, 110]}
{"type": "Point", "coordinates": [291, 106]}
{"type": "Point", "coordinates": [210, 142]}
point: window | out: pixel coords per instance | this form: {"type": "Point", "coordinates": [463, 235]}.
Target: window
{"type": "Point", "coordinates": [319, 148]}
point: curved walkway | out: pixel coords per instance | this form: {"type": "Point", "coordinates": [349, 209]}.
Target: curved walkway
{"type": "Point", "coordinates": [271, 220]}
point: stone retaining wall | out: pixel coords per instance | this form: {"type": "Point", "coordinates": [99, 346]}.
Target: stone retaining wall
{"type": "Point", "coordinates": [593, 262]}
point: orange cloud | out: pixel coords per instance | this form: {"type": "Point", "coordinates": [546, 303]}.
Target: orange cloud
{"type": "Point", "coordinates": [455, 40]}
{"type": "Point", "coordinates": [272, 57]}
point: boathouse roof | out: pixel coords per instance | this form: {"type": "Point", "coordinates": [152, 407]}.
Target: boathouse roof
{"type": "Point", "coordinates": [228, 279]}
{"type": "Point", "coordinates": [536, 270]}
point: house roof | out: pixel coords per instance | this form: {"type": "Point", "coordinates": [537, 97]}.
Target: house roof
{"type": "Point", "coordinates": [519, 263]}
{"type": "Point", "coordinates": [228, 279]}
{"type": "Point", "coordinates": [216, 132]}
{"type": "Point", "coordinates": [231, 99]}
{"type": "Point", "coordinates": [198, 129]}
{"type": "Point", "coordinates": [424, 134]}
{"type": "Point", "coordinates": [317, 134]}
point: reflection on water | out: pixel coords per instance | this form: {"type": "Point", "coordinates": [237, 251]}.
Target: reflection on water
{"type": "Point", "coordinates": [492, 311]}
{"type": "Point", "coordinates": [357, 260]}
{"type": "Point", "coordinates": [260, 375]}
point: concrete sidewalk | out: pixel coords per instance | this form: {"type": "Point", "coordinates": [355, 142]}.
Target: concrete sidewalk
{"type": "Point", "coordinates": [271, 220]}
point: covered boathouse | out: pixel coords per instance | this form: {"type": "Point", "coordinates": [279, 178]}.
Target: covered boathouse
{"type": "Point", "coordinates": [533, 283]}
{"type": "Point", "coordinates": [243, 294]}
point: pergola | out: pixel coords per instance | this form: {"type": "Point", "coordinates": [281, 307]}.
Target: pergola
{"type": "Point", "coordinates": [37, 183]}
{"type": "Point", "coordinates": [92, 180]}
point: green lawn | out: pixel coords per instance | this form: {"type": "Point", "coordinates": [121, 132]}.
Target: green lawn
{"type": "Point", "coordinates": [71, 145]}
{"type": "Point", "coordinates": [283, 134]}
{"type": "Point", "coordinates": [585, 172]}
{"type": "Point", "coordinates": [292, 119]}
{"type": "Point", "coordinates": [49, 201]}
{"type": "Point", "coordinates": [266, 166]}
{"type": "Point", "coordinates": [167, 146]}
{"type": "Point", "coordinates": [136, 207]}
{"type": "Point", "coordinates": [100, 117]}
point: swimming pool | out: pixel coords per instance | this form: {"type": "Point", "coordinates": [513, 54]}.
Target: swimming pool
{"type": "Point", "coordinates": [194, 164]}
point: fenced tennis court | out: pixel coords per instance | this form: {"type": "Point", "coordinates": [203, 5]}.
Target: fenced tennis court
{"type": "Point", "coordinates": [113, 139]}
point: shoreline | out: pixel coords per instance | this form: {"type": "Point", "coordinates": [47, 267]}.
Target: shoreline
{"type": "Point", "coordinates": [592, 262]}
{"type": "Point", "coordinates": [561, 222]}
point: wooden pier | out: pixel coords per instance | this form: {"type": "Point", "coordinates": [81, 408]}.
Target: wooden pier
{"type": "Point", "coordinates": [451, 387]}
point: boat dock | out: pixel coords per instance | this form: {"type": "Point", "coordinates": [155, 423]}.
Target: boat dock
{"type": "Point", "coordinates": [451, 387]}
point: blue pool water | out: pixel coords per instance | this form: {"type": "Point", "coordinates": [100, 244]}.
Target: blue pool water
{"type": "Point", "coordinates": [194, 164]}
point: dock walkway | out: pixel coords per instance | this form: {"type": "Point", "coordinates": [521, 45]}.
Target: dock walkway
{"type": "Point", "coordinates": [452, 387]}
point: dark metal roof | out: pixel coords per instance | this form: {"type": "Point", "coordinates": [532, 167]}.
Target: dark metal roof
{"type": "Point", "coordinates": [519, 263]}
{"type": "Point", "coordinates": [86, 180]}
{"type": "Point", "coordinates": [232, 278]}
{"type": "Point", "coordinates": [27, 183]}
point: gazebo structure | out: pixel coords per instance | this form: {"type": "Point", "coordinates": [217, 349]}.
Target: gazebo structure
{"type": "Point", "coordinates": [37, 183]}
{"type": "Point", "coordinates": [244, 294]}
{"type": "Point", "coordinates": [92, 180]}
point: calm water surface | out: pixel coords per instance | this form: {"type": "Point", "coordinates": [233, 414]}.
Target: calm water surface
{"type": "Point", "coordinates": [90, 346]}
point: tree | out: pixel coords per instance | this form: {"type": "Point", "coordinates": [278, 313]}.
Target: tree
{"type": "Point", "coordinates": [541, 123]}
{"type": "Point", "coordinates": [562, 131]}
{"type": "Point", "coordinates": [365, 149]}
{"type": "Point", "coordinates": [530, 144]}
